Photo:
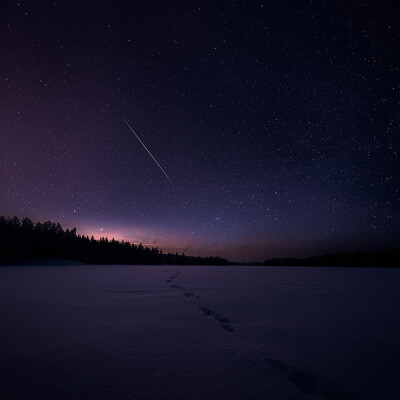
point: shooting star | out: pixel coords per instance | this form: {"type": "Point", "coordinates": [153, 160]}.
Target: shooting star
{"type": "Point", "coordinates": [151, 155]}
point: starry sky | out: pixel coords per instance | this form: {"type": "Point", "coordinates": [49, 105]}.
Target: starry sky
{"type": "Point", "coordinates": [278, 122]}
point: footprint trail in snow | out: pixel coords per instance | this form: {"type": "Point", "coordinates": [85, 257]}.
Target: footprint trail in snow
{"type": "Point", "coordinates": [224, 322]}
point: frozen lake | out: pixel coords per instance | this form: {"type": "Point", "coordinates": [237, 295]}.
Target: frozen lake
{"type": "Point", "coordinates": [199, 332]}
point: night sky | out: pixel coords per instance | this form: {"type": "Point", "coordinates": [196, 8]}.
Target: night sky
{"type": "Point", "coordinates": [278, 123]}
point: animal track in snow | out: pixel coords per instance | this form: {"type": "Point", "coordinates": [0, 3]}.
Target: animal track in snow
{"type": "Point", "coordinates": [224, 322]}
{"type": "Point", "coordinates": [175, 286]}
{"type": "Point", "coordinates": [171, 278]}
{"type": "Point", "coordinates": [170, 281]}
{"type": "Point", "coordinates": [310, 382]}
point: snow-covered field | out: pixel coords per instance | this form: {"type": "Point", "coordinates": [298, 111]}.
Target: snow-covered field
{"type": "Point", "coordinates": [191, 332]}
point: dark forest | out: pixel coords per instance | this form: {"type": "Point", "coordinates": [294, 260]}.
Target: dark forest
{"type": "Point", "coordinates": [24, 240]}
{"type": "Point", "coordinates": [387, 257]}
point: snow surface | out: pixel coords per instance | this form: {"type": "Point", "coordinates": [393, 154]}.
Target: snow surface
{"type": "Point", "coordinates": [199, 332]}
{"type": "Point", "coordinates": [49, 262]}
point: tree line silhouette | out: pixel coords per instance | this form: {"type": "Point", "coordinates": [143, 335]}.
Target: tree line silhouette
{"type": "Point", "coordinates": [388, 257]}
{"type": "Point", "coordinates": [24, 240]}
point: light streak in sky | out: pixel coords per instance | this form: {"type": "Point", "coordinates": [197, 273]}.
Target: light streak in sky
{"type": "Point", "coordinates": [151, 155]}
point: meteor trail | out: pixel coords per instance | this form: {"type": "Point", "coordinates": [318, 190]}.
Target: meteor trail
{"type": "Point", "coordinates": [151, 155]}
